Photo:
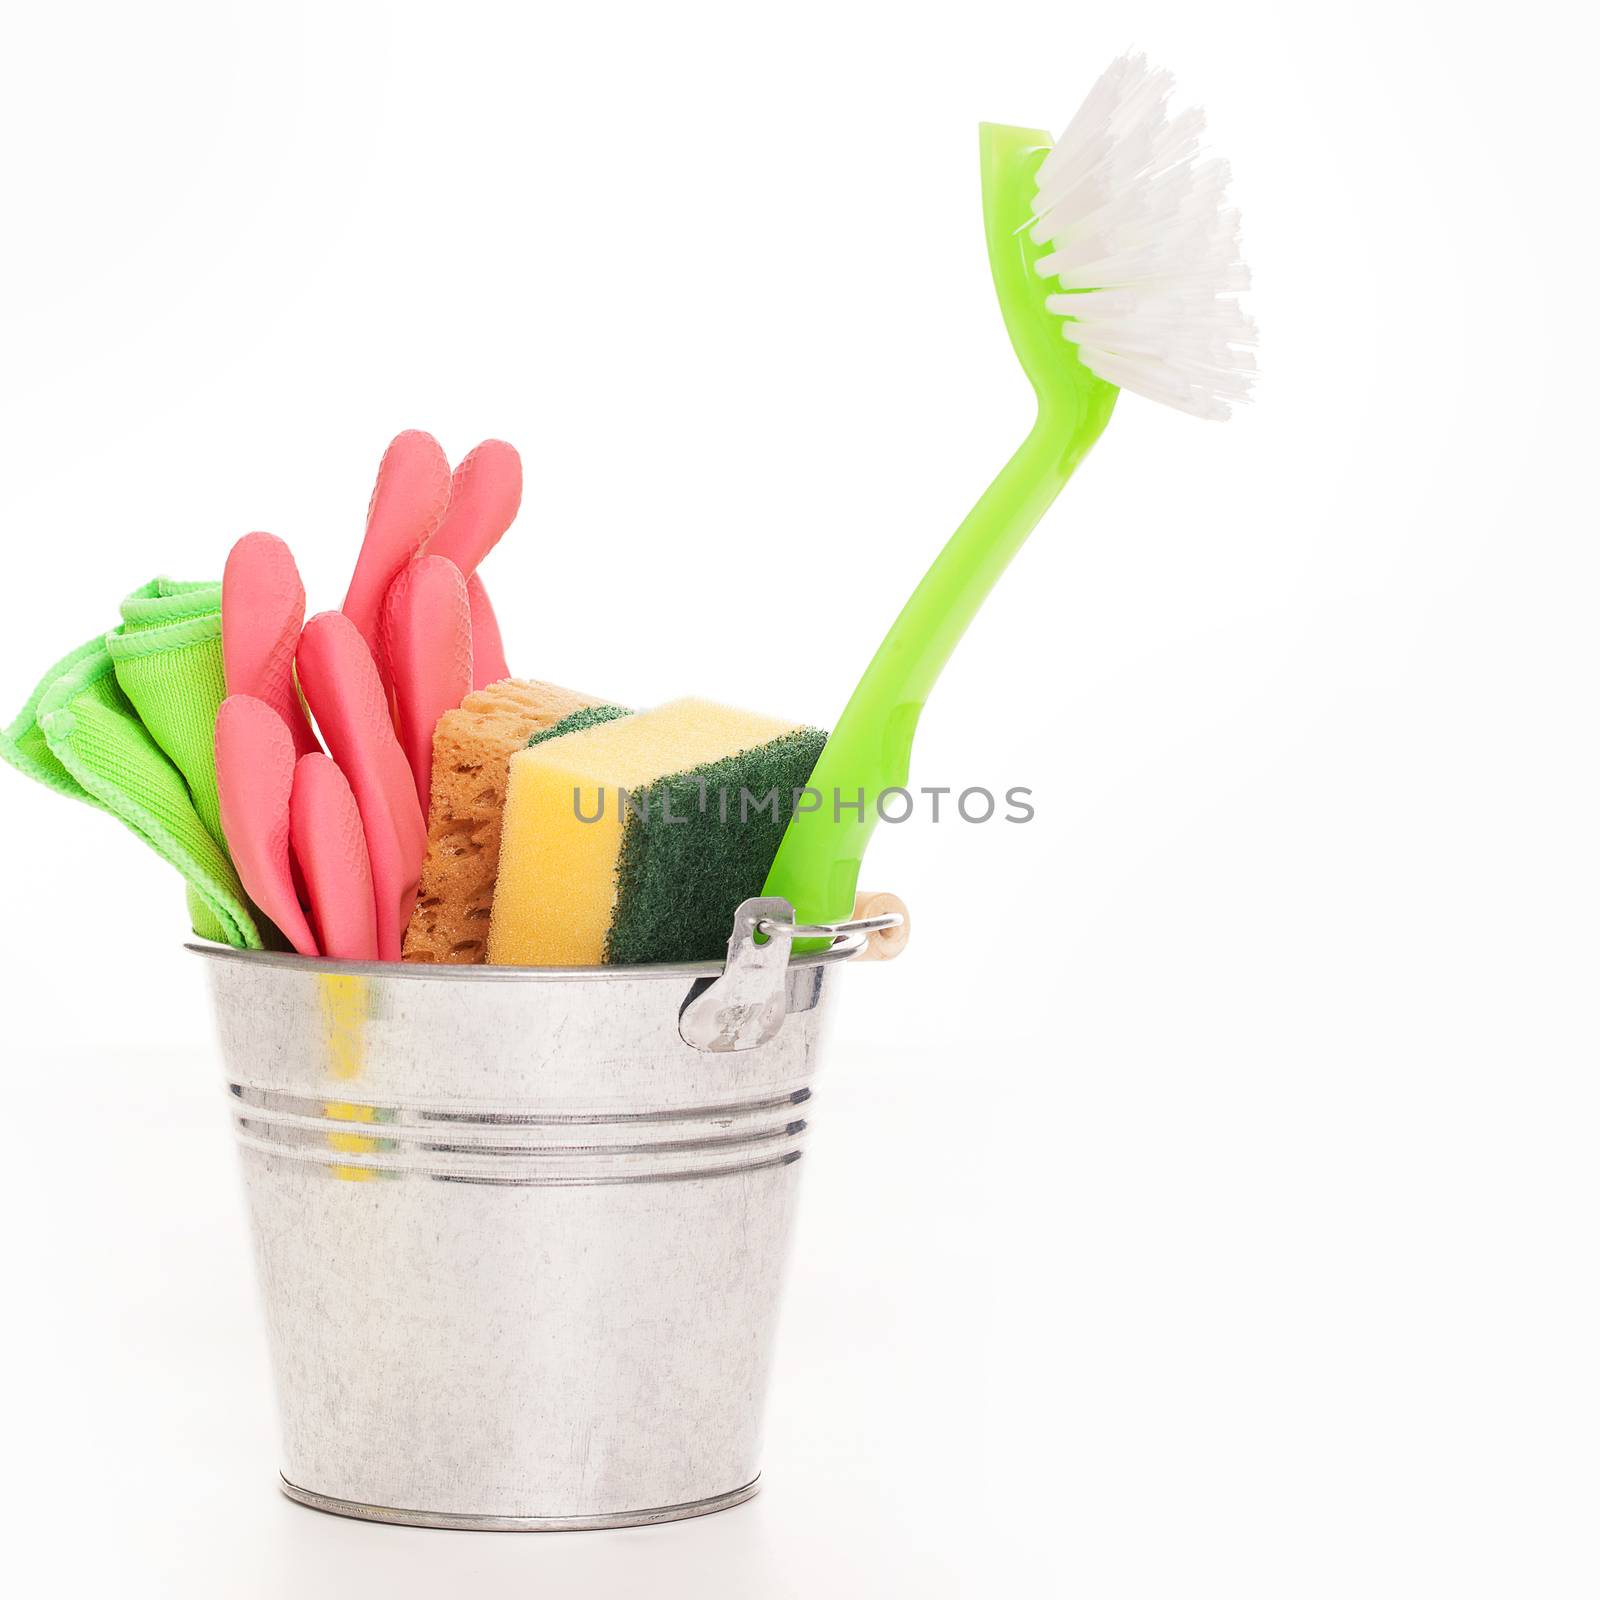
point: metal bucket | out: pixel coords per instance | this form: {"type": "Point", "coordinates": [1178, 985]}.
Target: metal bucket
{"type": "Point", "coordinates": [520, 1242]}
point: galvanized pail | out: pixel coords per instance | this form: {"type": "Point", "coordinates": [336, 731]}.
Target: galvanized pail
{"type": "Point", "coordinates": [520, 1241]}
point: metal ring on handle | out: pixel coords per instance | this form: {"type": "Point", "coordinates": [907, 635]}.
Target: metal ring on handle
{"type": "Point", "coordinates": [827, 930]}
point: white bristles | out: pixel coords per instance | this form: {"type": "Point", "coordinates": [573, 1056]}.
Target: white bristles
{"type": "Point", "coordinates": [1145, 246]}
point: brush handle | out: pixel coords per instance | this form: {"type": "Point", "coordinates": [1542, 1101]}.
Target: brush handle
{"type": "Point", "coordinates": [870, 749]}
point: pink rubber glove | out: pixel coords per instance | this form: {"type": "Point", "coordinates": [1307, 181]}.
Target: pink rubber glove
{"type": "Point", "coordinates": [263, 605]}
{"type": "Point", "coordinates": [427, 638]}
{"type": "Point", "coordinates": [488, 654]}
{"type": "Point", "coordinates": [255, 773]}
{"type": "Point", "coordinates": [326, 838]}
{"type": "Point", "coordinates": [485, 491]}
{"type": "Point", "coordinates": [408, 504]}
{"type": "Point", "coordinates": [341, 685]}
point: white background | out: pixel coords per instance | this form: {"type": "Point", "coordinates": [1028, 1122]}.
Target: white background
{"type": "Point", "coordinates": [1206, 1204]}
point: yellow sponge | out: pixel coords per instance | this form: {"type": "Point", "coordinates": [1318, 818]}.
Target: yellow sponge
{"type": "Point", "coordinates": [471, 747]}
{"type": "Point", "coordinates": [633, 841]}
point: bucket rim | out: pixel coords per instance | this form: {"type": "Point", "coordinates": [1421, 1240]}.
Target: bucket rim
{"type": "Point", "coordinates": [434, 972]}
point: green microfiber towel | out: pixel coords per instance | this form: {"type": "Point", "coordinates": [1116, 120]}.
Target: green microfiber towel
{"type": "Point", "coordinates": [168, 659]}
{"type": "Point", "coordinates": [125, 723]}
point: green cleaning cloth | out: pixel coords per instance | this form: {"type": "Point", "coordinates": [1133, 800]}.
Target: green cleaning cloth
{"type": "Point", "coordinates": [167, 655]}
{"type": "Point", "coordinates": [125, 723]}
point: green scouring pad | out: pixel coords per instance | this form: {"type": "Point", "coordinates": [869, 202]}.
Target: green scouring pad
{"type": "Point", "coordinates": [577, 721]}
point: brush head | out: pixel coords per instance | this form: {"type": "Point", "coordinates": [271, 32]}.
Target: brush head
{"type": "Point", "coordinates": [1142, 247]}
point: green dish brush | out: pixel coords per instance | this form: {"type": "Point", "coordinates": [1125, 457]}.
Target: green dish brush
{"type": "Point", "coordinates": [1116, 261]}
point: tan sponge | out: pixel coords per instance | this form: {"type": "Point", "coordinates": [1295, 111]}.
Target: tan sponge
{"type": "Point", "coordinates": [472, 748]}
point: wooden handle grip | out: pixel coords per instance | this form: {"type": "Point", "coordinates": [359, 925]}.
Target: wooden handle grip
{"type": "Point", "coordinates": [886, 943]}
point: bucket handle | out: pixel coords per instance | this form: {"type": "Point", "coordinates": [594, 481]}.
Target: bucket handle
{"type": "Point", "coordinates": [770, 928]}
{"type": "Point", "coordinates": [746, 1005]}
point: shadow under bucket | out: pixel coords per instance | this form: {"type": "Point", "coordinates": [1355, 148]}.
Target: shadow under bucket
{"type": "Point", "coordinates": [520, 1244]}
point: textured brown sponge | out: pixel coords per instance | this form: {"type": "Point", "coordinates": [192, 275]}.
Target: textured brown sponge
{"type": "Point", "coordinates": [471, 749]}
